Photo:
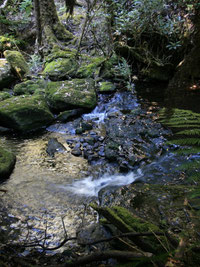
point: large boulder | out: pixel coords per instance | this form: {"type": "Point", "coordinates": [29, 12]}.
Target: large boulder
{"type": "Point", "coordinates": [17, 62]}
{"type": "Point", "coordinates": [7, 163]}
{"type": "Point", "coordinates": [76, 93]}
{"type": "Point", "coordinates": [6, 76]}
{"type": "Point", "coordinates": [25, 113]}
{"type": "Point", "coordinates": [89, 66]}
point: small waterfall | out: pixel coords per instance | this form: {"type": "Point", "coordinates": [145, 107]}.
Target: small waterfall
{"type": "Point", "coordinates": [91, 187]}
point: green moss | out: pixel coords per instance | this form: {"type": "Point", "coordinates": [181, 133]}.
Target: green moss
{"type": "Point", "coordinates": [61, 68]}
{"type": "Point", "coordinates": [29, 87]}
{"type": "Point", "coordinates": [6, 76]}
{"type": "Point", "coordinates": [25, 113]}
{"type": "Point", "coordinates": [89, 66]}
{"type": "Point", "coordinates": [106, 87]}
{"type": "Point", "coordinates": [7, 163]}
{"type": "Point", "coordinates": [4, 95]}
{"type": "Point", "coordinates": [17, 62]}
{"type": "Point", "coordinates": [65, 95]}
{"type": "Point", "coordinates": [58, 53]}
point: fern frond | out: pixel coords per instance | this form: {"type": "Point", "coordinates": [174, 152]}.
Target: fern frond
{"type": "Point", "coordinates": [190, 165]}
{"type": "Point", "coordinates": [188, 151]}
{"type": "Point", "coordinates": [190, 132]}
{"type": "Point", "coordinates": [185, 142]}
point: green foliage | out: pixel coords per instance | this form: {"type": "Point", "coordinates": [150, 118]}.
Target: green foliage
{"type": "Point", "coordinates": [186, 125]}
{"type": "Point", "coordinates": [26, 7]}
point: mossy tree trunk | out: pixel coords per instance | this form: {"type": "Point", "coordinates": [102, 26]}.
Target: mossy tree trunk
{"type": "Point", "coordinates": [52, 29]}
{"type": "Point", "coordinates": [187, 77]}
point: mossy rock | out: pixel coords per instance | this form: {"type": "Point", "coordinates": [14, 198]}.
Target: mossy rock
{"type": "Point", "coordinates": [105, 87]}
{"type": "Point", "coordinates": [25, 113]}
{"type": "Point", "coordinates": [76, 93]}
{"type": "Point", "coordinates": [4, 95]}
{"type": "Point", "coordinates": [61, 68]}
{"type": "Point", "coordinates": [89, 66]}
{"type": "Point", "coordinates": [58, 53]}
{"type": "Point", "coordinates": [115, 68]}
{"type": "Point", "coordinates": [6, 76]}
{"type": "Point", "coordinates": [17, 62]}
{"type": "Point", "coordinates": [69, 114]}
{"type": "Point", "coordinates": [7, 163]}
{"type": "Point", "coordinates": [29, 87]}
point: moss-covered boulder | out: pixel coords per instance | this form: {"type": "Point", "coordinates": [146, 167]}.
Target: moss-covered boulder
{"type": "Point", "coordinates": [89, 66]}
{"type": "Point", "coordinates": [17, 62]}
{"type": "Point", "coordinates": [115, 68]}
{"type": "Point", "coordinates": [7, 163]}
{"type": "Point", "coordinates": [105, 87]}
{"type": "Point", "coordinates": [25, 113]}
{"type": "Point", "coordinates": [6, 76]}
{"type": "Point", "coordinates": [4, 95]}
{"type": "Point", "coordinates": [61, 64]}
{"type": "Point", "coordinates": [76, 93]}
{"type": "Point", "coordinates": [30, 87]}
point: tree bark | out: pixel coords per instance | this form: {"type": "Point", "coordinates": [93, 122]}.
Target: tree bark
{"type": "Point", "coordinates": [38, 21]}
{"type": "Point", "coordinates": [52, 29]}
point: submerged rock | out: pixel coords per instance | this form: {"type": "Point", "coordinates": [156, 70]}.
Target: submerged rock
{"type": "Point", "coordinates": [25, 113]}
{"type": "Point", "coordinates": [54, 146]}
{"type": "Point", "coordinates": [76, 93]}
{"type": "Point", "coordinates": [6, 76]}
{"type": "Point", "coordinates": [7, 163]}
{"type": "Point", "coordinates": [18, 63]}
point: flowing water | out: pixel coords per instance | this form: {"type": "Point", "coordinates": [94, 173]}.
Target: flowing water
{"type": "Point", "coordinates": [46, 196]}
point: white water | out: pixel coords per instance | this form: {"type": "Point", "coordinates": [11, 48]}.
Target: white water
{"type": "Point", "coordinates": [91, 187]}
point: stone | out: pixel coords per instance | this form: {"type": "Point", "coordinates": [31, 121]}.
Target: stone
{"type": "Point", "coordinates": [30, 87]}
{"type": "Point", "coordinates": [69, 114]}
{"type": "Point", "coordinates": [25, 113]}
{"type": "Point", "coordinates": [89, 66]}
{"type": "Point", "coordinates": [61, 68]}
{"type": "Point", "coordinates": [76, 93]}
{"type": "Point", "coordinates": [7, 163]}
{"type": "Point", "coordinates": [54, 146]}
{"type": "Point", "coordinates": [18, 63]}
{"type": "Point", "coordinates": [6, 76]}
{"type": "Point", "coordinates": [105, 87]}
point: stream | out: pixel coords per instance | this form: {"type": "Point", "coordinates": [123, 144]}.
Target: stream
{"type": "Point", "coordinates": [47, 196]}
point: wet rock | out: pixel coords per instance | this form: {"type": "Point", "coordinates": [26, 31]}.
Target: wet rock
{"type": "Point", "coordinates": [25, 113]}
{"type": "Point", "coordinates": [86, 126]}
{"type": "Point", "coordinates": [79, 130]}
{"type": "Point", "coordinates": [105, 87]}
{"type": "Point", "coordinates": [54, 146]}
{"type": "Point", "coordinates": [69, 114]}
{"type": "Point", "coordinates": [7, 163]}
{"type": "Point", "coordinates": [6, 76]}
{"type": "Point", "coordinates": [77, 93]}
{"type": "Point", "coordinates": [18, 63]}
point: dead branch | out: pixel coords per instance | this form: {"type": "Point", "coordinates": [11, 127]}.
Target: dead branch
{"type": "Point", "coordinates": [104, 255]}
{"type": "Point", "coordinates": [131, 234]}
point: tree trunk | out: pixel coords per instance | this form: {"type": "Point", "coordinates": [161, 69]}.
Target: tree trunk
{"type": "Point", "coordinates": [38, 21]}
{"type": "Point", "coordinates": [53, 30]}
